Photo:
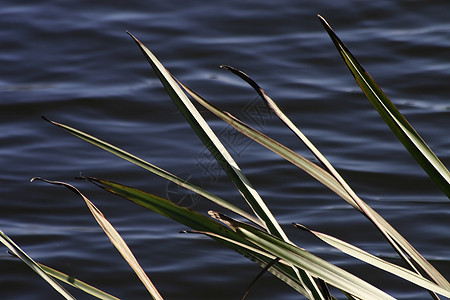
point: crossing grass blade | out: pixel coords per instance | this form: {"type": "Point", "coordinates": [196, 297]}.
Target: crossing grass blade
{"type": "Point", "coordinates": [393, 118]}
{"type": "Point", "coordinates": [280, 114]}
{"type": "Point", "coordinates": [377, 262]}
{"type": "Point", "coordinates": [408, 253]}
{"type": "Point", "coordinates": [398, 243]}
{"type": "Point", "coordinates": [281, 272]}
{"type": "Point", "coordinates": [114, 237]}
{"type": "Point", "coordinates": [211, 141]}
{"type": "Point", "coordinates": [311, 168]}
{"type": "Point", "coordinates": [18, 252]}
{"type": "Point", "coordinates": [154, 169]}
{"type": "Point", "coordinates": [200, 222]}
{"type": "Point", "coordinates": [222, 156]}
{"type": "Point", "coordinates": [315, 266]}
{"type": "Point", "coordinates": [407, 135]}
{"type": "Point", "coordinates": [89, 289]}
{"type": "Point", "coordinates": [292, 254]}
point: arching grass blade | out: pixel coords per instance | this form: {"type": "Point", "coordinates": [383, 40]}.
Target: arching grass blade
{"type": "Point", "coordinates": [393, 118]}
{"type": "Point", "coordinates": [18, 252]}
{"type": "Point", "coordinates": [219, 152]}
{"type": "Point", "coordinates": [89, 289]}
{"type": "Point", "coordinates": [281, 272]}
{"type": "Point", "coordinates": [211, 142]}
{"type": "Point", "coordinates": [304, 260]}
{"type": "Point", "coordinates": [311, 168]}
{"type": "Point", "coordinates": [377, 262]}
{"type": "Point", "coordinates": [114, 237]}
{"type": "Point", "coordinates": [280, 114]}
{"type": "Point", "coordinates": [398, 242]}
{"type": "Point", "coordinates": [200, 222]}
{"type": "Point", "coordinates": [154, 169]}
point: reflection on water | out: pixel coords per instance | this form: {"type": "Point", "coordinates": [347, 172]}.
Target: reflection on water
{"type": "Point", "coordinates": [75, 64]}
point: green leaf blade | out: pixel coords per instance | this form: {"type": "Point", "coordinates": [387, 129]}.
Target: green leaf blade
{"type": "Point", "coordinates": [335, 183]}
{"type": "Point", "coordinates": [378, 262]}
{"type": "Point", "coordinates": [115, 238]}
{"type": "Point", "coordinates": [154, 169]}
{"type": "Point", "coordinates": [89, 289]}
{"type": "Point", "coordinates": [211, 142]}
{"type": "Point", "coordinates": [309, 167]}
{"type": "Point", "coordinates": [317, 267]}
{"type": "Point", "coordinates": [306, 261]}
{"type": "Point", "coordinates": [199, 222]}
{"type": "Point", "coordinates": [393, 118]}
{"type": "Point", "coordinates": [220, 153]}
{"type": "Point", "coordinates": [17, 251]}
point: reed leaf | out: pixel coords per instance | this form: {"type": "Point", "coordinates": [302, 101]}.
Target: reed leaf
{"type": "Point", "coordinates": [317, 267]}
{"type": "Point", "coordinates": [397, 242]}
{"type": "Point", "coordinates": [211, 142]}
{"type": "Point", "coordinates": [114, 237]}
{"type": "Point", "coordinates": [89, 289]}
{"type": "Point", "coordinates": [408, 253]}
{"type": "Point", "coordinates": [377, 262]}
{"type": "Point", "coordinates": [393, 118]}
{"type": "Point", "coordinates": [280, 271]}
{"type": "Point", "coordinates": [221, 154]}
{"type": "Point", "coordinates": [280, 114]}
{"type": "Point", "coordinates": [200, 222]}
{"type": "Point", "coordinates": [406, 134]}
{"type": "Point", "coordinates": [154, 169]}
{"type": "Point", "coordinates": [18, 252]}
{"type": "Point", "coordinates": [309, 167]}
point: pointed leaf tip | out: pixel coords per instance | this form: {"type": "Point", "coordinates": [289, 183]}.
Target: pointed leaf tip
{"type": "Point", "coordinates": [46, 119]}
{"type": "Point", "coordinates": [246, 78]}
{"type": "Point", "coordinates": [300, 226]}
{"type": "Point", "coordinates": [133, 37]}
{"type": "Point", "coordinates": [326, 25]}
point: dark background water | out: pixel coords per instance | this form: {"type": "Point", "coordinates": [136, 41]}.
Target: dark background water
{"type": "Point", "coordinates": [73, 62]}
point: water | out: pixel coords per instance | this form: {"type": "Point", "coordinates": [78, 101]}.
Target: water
{"type": "Point", "coordinates": [73, 62]}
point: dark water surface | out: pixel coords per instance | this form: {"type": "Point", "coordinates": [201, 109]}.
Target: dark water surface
{"type": "Point", "coordinates": [73, 62]}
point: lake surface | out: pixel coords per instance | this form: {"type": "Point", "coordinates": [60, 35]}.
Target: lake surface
{"type": "Point", "coordinates": [72, 62]}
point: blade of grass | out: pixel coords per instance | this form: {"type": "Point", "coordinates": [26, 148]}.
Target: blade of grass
{"type": "Point", "coordinates": [18, 252]}
{"type": "Point", "coordinates": [311, 168]}
{"type": "Point", "coordinates": [377, 262]}
{"type": "Point", "coordinates": [279, 113]}
{"type": "Point", "coordinates": [154, 169]}
{"type": "Point", "coordinates": [199, 222]}
{"type": "Point", "coordinates": [301, 258]}
{"type": "Point", "coordinates": [358, 202]}
{"type": "Point", "coordinates": [220, 153]}
{"type": "Point", "coordinates": [89, 289]}
{"type": "Point", "coordinates": [362, 206]}
{"type": "Point", "coordinates": [316, 267]}
{"type": "Point", "coordinates": [114, 237]}
{"type": "Point", "coordinates": [393, 118]}
{"type": "Point", "coordinates": [160, 205]}
{"type": "Point", "coordinates": [406, 134]}
{"type": "Point", "coordinates": [400, 244]}
{"type": "Point", "coordinates": [211, 141]}
{"type": "Point", "coordinates": [279, 271]}
{"type": "Point", "coordinates": [260, 274]}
